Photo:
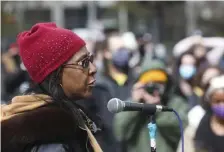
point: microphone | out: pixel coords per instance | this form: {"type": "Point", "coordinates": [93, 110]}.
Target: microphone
{"type": "Point", "coordinates": [116, 105]}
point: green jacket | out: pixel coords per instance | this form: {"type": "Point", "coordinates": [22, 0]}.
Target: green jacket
{"type": "Point", "coordinates": [131, 128]}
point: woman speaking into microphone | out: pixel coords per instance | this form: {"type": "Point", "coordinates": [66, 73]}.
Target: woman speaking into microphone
{"type": "Point", "coordinates": [48, 117]}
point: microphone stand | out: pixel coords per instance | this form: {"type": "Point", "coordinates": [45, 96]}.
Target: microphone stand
{"type": "Point", "coordinates": [152, 133]}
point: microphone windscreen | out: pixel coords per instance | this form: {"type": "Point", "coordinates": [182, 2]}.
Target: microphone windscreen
{"type": "Point", "coordinates": [115, 105]}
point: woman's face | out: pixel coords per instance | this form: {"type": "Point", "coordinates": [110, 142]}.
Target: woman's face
{"type": "Point", "coordinates": [78, 77]}
{"type": "Point", "coordinates": [188, 60]}
{"type": "Point", "coordinates": [187, 67]}
{"type": "Point", "coordinates": [217, 103]}
{"type": "Point", "coordinates": [217, 97]}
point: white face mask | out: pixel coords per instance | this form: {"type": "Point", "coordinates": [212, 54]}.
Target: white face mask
{"type": "Point", "coordinates": [187, 71]}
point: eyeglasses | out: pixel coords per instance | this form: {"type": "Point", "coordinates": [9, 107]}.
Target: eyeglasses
{"type": "Point", "coordinates": [84, 63]}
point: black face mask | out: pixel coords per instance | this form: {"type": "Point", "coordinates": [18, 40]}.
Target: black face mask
{"type": "Point", "coordinates": [120, 60]}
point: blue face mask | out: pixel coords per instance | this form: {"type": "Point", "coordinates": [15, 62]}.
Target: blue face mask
{"type": "Point", "coordinates": [187, 71]}
{"type": "Point", "coordinates": [121, 58]}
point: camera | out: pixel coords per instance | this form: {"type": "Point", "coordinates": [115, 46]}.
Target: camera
{"type": "Point", "coordinates": [152, 87]}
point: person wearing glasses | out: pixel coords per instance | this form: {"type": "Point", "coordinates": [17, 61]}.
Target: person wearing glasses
{"type": "Point", "coordinates": [48, 118]}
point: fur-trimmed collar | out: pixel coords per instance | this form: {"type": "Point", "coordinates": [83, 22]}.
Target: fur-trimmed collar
{"type": "Point", "coordinates": [36, 119]}
{"type": "Point", "coordinates": [21, 104]}
{"type": "Point", "coordinates": [45, 124]}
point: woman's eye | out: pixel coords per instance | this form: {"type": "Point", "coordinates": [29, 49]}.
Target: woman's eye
{"type": "Point", "coordinates": [80, 63]}
{"type": "Point", "coordinates": [85, 63]}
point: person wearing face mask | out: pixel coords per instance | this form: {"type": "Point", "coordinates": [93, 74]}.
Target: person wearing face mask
{"type": "Point", "coordinates": [153, 86]}
{"type": "Point", "coordinates": [187, 68]}
{"type": "Point", "coordinates": [203, 79]}
{"type": "Point", "coordinates": [185, 73]}
{"type": "Point", "coordinates": [120, 60]}
{"type": "Point", "coordinates": [202, 48]}
{"type": "Point", "coordinates": [117, 74]}
{"type": "Point", "coordinates": [208, 136]}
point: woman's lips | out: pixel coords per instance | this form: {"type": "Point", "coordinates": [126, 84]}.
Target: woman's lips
{"type": "Point", "coordinates": [92, 83]}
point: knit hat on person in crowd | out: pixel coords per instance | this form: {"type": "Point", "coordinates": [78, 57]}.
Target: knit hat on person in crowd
{"type": "Point", "coordinates": [215, 84]}
{"type": "Point", "coordinates": [152, 71]}
{"type": "Point", "coordinates": [45, 47]}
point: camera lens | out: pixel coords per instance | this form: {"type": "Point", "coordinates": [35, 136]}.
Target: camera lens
{"type": "Point", "coordinates": [152, 87]}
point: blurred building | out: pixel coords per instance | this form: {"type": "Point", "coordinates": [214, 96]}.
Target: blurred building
{"type": "Point", "coordinates": [68, 14]}
{"type": "Point", "coordinates": [167, 21]}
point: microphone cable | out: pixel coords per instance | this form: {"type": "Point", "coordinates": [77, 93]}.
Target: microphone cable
{"type": "Point", "coordinates": [152, 131]}
{"type": "Point", "coordinates": [181, 129]}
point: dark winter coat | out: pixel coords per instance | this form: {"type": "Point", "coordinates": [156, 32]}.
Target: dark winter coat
{"type": "Point", "coordinates": [44, 129]}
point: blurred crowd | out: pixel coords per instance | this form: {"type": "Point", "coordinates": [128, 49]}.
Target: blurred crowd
{"type": "Point", "coordinates": [189, 78]}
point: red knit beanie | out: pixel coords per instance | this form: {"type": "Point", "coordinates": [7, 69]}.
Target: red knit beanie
{"type": "Point", "coordinates": [46, 47]}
